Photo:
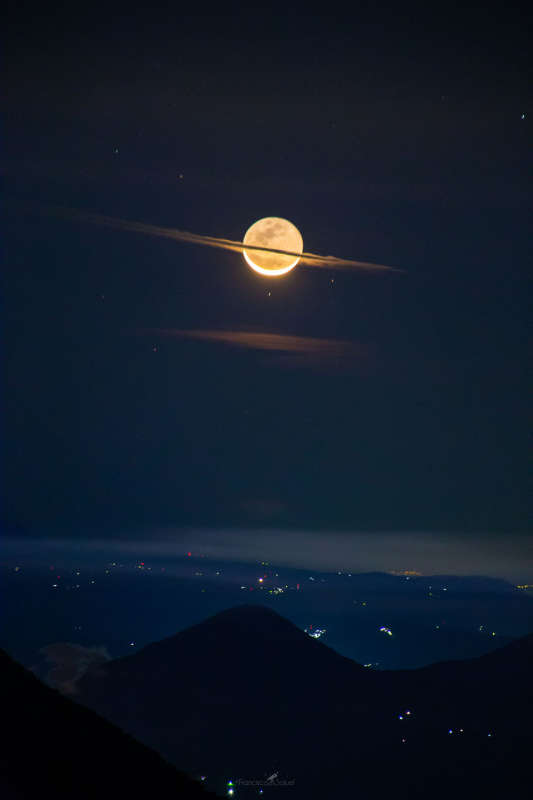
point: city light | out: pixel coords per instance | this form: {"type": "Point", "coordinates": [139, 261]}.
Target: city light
{"type": "Point", "coordinates": [316, 633]}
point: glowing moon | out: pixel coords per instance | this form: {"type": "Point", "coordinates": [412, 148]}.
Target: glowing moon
{"type": "Point", "coordinates": [277, 234]}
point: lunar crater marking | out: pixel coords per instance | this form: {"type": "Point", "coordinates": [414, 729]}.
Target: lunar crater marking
{"type": "Point", "coordinates": [277, 234]}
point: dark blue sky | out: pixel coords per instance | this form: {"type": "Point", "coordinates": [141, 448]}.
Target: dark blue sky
{"type": "Point", "coordinates": [395, 138]}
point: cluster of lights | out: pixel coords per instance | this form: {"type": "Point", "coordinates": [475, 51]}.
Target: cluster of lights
{"type": "Point", "coordinates": [388, 631]}
{"type": "Point", "coordinates": [316, 633]}
{"type": "Point", "coordinates": [231, 790]}
{"type": "Point", "coordinates": [406, 572]}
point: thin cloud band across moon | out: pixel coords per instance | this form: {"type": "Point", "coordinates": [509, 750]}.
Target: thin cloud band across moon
{"type": "Point", "coordinates": [272, 246]}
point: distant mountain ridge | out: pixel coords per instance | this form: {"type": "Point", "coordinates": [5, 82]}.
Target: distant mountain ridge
{"type": "Point", "coordinates": [246, 691]}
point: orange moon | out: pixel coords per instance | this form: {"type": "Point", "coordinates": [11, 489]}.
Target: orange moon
{"type": "Point", "coordinates": [277, 234]}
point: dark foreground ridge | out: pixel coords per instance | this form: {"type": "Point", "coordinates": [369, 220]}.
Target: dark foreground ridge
{"type": "Point", "coordinates": [246, 694]}
{"type": "Point", "coordinates": [54, 747]}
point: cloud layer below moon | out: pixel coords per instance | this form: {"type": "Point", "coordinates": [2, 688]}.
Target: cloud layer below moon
{"type": "Point", "coordinates": [291, 351]}
{"type": "Point", "coordinates": [308, 259]}
{"type": "Point", "coordinates": [270, 341]}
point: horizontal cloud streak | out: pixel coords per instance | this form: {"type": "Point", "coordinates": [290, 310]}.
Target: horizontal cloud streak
{"type": "Point", "coordinates": [309, 259]}
{"type": "Point", "coordinates": [281, 343]}
{"type": "Point", "coordinates": [508, 556]}
{"type": "Point", "coordinates": [325, 355]}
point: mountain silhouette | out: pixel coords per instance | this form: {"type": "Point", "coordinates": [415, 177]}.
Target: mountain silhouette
{"type": "Point", "coordinates": [246, 694]}
{"type": "Point", "coordinates": [54, 747]}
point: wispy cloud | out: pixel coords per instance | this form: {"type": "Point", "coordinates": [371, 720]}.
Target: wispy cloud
{"type": "Point", "coordinates": [287, 350]}
{"type": "Point", "coordinates": [309, 259]}
{"type": "Point", "coordinates": [508, 556]}
{"type": "Point", "coordinates": [70, 661]}
{"type": "Point", "coordinates": [269, 341]}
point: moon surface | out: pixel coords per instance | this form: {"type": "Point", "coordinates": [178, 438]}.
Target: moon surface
{"type": "Point", "coordinates": [277, 234]}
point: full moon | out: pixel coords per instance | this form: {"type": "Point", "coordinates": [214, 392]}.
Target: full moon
{"type": "Point", "coordinates": [277, 234]}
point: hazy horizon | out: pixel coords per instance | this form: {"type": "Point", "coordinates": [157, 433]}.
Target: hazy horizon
{"type": "Point", "coordinates": [509, 556]}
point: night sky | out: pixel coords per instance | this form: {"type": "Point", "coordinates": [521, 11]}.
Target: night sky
{"type": "Point", "coordinates": [387, 401]}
